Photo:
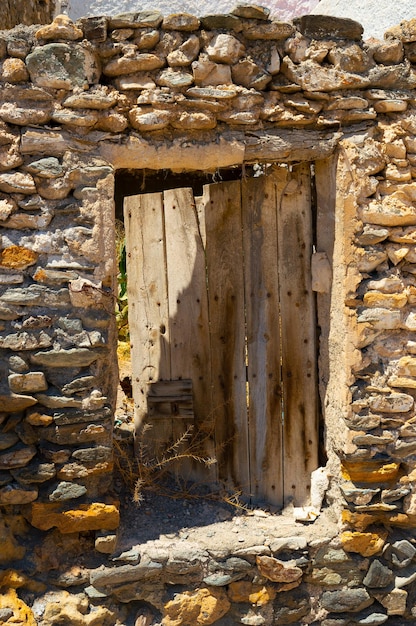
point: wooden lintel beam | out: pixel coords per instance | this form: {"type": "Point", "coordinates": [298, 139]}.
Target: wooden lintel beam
{"type": "Point", "coordinates": [284, 145]}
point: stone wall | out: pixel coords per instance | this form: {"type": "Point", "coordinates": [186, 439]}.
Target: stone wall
{"type": "Point", "coordinates": [79, 101]}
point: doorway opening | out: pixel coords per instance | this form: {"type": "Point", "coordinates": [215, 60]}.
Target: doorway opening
{"type": "Point", "coordinates": [222, 321]}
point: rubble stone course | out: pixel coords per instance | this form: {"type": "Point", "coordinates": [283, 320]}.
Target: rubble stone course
{"type": "Point", "coordinates": [76, 102]}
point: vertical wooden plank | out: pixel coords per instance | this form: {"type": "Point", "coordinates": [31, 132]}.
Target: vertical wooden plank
{"type": "Point", "coordinates": [263, 339]}
{"type": "Point", "coordinates": [224, 257]}
{"type": "Point", "coordinates": [188, 323]}
{"type": "Point", "coordinates": [148, 303]}
{"type": "Point", "coordinates": [298, 334]}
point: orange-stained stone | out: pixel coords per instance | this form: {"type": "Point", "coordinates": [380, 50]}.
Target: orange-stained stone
{"type": "Point", "coordinates": [12, 579]}
{"type": "Point", "coordinates": [278, 571]}
{"type": "Point", "coordinates": [40, 275]}
{"type": "Point", "coordinates": [38, 418]}
{"type": "Point", "coordinates": [369, 471]}
{"type": "Point", "coordinates": [366, 544]}
{"type": "Point", "coordinates": [94, 516]}
{"type": "Point", "coordinates": [361, 521]}
{"type": "Point", "coordinates": [385, 300]}
{"type": "Point", "coordinates": [200, 607]}
{"type": "Point", "coordinates": [17, 257]}
{"type": "Point", "coordinates": [245, 591]}
{"type": "Point", "coordinates": [22, 614]}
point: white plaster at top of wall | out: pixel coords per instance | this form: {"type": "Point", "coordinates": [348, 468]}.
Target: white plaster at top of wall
{"type": "Point", "coordinates": [375, 15]}
{"type": "Point", "coordinates": [281, 9]}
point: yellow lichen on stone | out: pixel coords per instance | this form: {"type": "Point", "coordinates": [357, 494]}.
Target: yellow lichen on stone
{"type": "Point", "coordinates": [12, 579]}
{"type": "Point", "coordinates": [17, 257]}
{"type": "Point", "coordinates": [386, 300]}
{"type": "Point", "coordinates": [244, 591]}
{"type": "Point", "coordinates": [361, 521]}
{"type": "Point", "coordinates": [200, 607]}
{"type": "Point", "coordinates": [40, 275]}
{"type": "Point", "coordinates": [369, 471]}
{"type": "Point", "coordinates": [95, 516]}
{"type": "Point", "coordinates": [366, 544]}
{"type": "Point", "coordinates": [22, 614]}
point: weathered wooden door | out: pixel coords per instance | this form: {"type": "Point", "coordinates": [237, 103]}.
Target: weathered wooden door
{"type": "Point", "coordinates": [222, 324]}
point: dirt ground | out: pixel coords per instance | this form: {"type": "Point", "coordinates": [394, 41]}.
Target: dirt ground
{"type": "Point", "coordinates": [169, 507]}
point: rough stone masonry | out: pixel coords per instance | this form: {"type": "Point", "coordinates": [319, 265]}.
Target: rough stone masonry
{"type": "Point", "coordinates": [139, 90]}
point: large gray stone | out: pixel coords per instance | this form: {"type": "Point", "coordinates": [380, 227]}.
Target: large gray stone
{"type": "Point", "coordinates": [98, 454]}
{"type": "Point", "coordinates": [346, 600]}
{"type": "Point", "coordinates": [63, 66]}
{"type": "Point", "coordinates": [378, 575]}
{"type": "Point", "coordinates": [67, 491]}
{"type": "Point", "coordinates": [74, 357]}
{"type": "Point", "coordinates": [141, 19]}
{"type": "Point", "coordinates": [35, 295]}
{"type": "Point", "coordinates": [49, 167]}
{"type": "Point", "coordinates": [105, 578]}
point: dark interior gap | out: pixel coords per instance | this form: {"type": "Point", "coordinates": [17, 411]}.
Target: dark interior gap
{"type": "Point", "coordinates": [322, 455]}
{"type": "Point", "coordinates": [130, 182]}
